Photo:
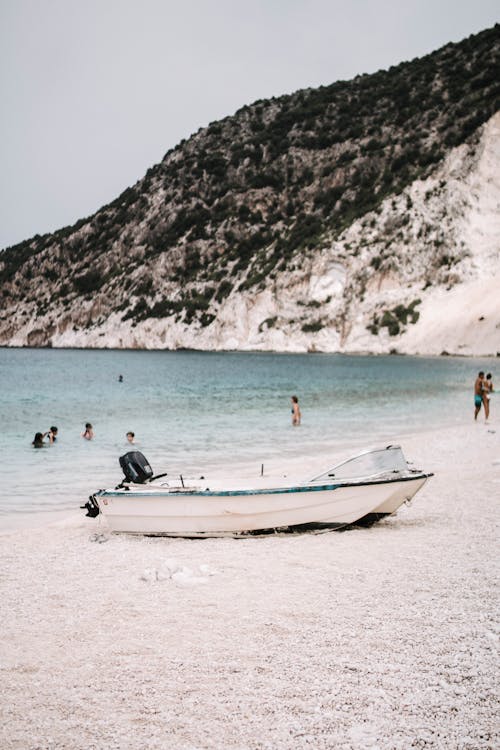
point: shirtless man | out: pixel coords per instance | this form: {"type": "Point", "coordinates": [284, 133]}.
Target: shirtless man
{"type": "Point", "coordinates": [478, 393]}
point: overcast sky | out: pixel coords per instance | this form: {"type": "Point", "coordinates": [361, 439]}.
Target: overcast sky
{"type": "Point", "coordinates": [93, 93]}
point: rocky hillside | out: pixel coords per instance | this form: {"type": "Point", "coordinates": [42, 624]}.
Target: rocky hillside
{"type": "Point", "coordinates": [361, 216]}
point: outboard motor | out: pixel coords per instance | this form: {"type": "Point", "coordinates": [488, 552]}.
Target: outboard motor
{"type": "Point", "coordinates": [136, 468]}
{"type": "Point", "coordinates": [91, 507]}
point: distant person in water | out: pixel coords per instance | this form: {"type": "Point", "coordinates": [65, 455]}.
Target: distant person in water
{"type": "Point", "coordinates": [131, 437]}
{"type": "Point", "coordinates": [52, 434]}
{"type": "Point", "coordinates": [296, 415]}
{"type": "Point", "coordinates": [120, 378]}
{"type": "Point", "coordinates": [478, 393]}
{"type": "Point", "coordinates": [38, 440]}
{"type": "Point", "coordinates": [89, 432]}
{"type": "Point", "coordinates": [487, 391]}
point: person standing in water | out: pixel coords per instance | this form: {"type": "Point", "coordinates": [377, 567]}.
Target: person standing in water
{"type": "Point", "coordinates": [487, 391]}
{"type": "Point", "coordinates": [131, 437]}
{"type": "Point", "coordinates": [38, 440]}
{"type": "Point", "coordinates": [52, 433]}
{"type": "Point", "coordinates": [89, 432]}
{"type": "Point", "coordinates": [296, 415]}
{"type": "Point", "coordinates": [478, 393]}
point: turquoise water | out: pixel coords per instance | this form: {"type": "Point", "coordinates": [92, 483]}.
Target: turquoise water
{"type": "Point", "coordinates": [193, 410]}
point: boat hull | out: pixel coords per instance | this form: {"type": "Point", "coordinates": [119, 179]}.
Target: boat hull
{"type": "Point", "coordinates": [401, 494]}
{"type": "Point", "coordinates": [202, 514]}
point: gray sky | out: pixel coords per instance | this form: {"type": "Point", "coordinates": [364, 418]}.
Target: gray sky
{"type": "Point", "coordinates": [93, 93]}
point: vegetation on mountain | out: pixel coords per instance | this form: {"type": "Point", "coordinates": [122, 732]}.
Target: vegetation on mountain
{"type": "Point", "coordinates": [396, 319]}
{"type": "Point", "coordinates": [259, 192]}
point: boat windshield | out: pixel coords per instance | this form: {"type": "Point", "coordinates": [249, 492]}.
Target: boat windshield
{"type": "Point", "coordinates": [370, 464]}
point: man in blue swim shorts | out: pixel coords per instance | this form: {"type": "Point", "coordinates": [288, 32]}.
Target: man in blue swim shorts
{"type": "Point", "coordinates": [478, 393]}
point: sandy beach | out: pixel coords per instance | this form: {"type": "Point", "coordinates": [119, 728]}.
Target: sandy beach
{"type": "Point", "coordinates": [371, 638]}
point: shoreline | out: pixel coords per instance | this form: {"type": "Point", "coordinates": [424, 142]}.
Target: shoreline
{"type": "Point", "coordinates": [394, 352]}
{"type": "Point", "coordinates": [303, 465]}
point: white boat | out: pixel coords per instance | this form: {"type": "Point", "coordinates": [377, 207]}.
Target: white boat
{"type": "Point", "coordinates": [366, 487]}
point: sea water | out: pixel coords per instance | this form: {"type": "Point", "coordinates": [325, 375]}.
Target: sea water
{"type": "Point", "coordinates": [194, 411]}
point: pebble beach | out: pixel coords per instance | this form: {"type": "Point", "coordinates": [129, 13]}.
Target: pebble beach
{"type": "Point", "coordinates": [385, 637]}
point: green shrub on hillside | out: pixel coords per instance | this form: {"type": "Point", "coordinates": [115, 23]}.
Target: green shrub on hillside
{"type": "Point", "coordinates": [312, 327]}
{"type": "Point", "coordinates": [395, 320]}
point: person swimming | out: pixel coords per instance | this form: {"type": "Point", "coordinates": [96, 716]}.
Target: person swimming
{"type": "Point", "coordinates": [89, 432]}
{"type": "Point", "coordinates": [131, 437]}
{"type": "Point", "coordinates": [38, 440]}
{"type": "Point", "coordinates": [52, 433]}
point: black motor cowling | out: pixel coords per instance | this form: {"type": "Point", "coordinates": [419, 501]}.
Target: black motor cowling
{"type": "Point", "coordinates": [136, 467]}
{"type": "Point", "coordinates": [91, 507]}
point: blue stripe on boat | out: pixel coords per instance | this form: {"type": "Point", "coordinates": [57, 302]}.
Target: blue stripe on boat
{"type": "Point", "coordinates": [237, 493]}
